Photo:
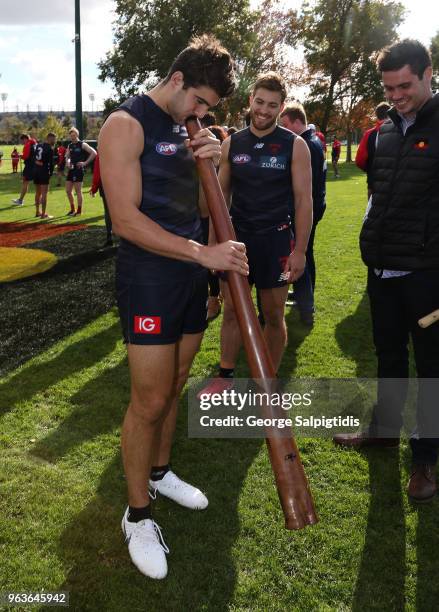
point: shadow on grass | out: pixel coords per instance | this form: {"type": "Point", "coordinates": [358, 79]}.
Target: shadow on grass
{"type": "Point", "coordinates": [297, 332]}
{"type": "Point", "coordinates": [354, 336]}
{"type": "Point", "coordinates": [97, 408]}
{"type": "Point", "coordinates": [202, 575]}
{"type": "Point", "coordinates": [381, 578]}
{"type": "Point", "coordinates": [83, 354]}
{"type": "Point", "coordinates": [427, 546]}
{"type": "Point", "coordinates": [39, 311]}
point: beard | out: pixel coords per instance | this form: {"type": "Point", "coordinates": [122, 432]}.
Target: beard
{"type": "Point", "coordinates": [261, 124]}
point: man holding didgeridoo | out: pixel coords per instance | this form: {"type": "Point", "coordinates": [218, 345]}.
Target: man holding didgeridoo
{"type": "Point", "coordinates": [149, 176]}
{"type": "Point", "coordinates": [400, 245]}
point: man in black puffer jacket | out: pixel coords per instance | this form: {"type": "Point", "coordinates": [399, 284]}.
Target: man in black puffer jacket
{"type": "Point", "coordinates": [399, 243]}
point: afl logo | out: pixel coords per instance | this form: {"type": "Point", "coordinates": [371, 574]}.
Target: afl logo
{"type": "Point", "coordinates": [147, 325]}
{"type": "Point", "coordinates": [166, 148]}
{"type": "Point", "coordinates": [241, 158]}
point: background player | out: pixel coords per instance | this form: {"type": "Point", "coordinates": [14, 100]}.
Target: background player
{"type": "Point", "coordinates": [61, 163]}
{"type": "Point", "coordinates": [293, 117]}
{"type": "Point", "coordinates": [76, 150]}
{"type": "Point", "coordinates": [28, 169]}
{"type": "Point", "coordinates": [43, 170]}
{"type": "Point", "coordinates": [366, 149]}
{"type": "Point", "coordinates": [15, 158]}
{"type": "Point", "coordinates": [335, 155]}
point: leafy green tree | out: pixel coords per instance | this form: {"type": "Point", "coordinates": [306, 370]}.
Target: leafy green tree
{"type": "Point", "coordinates": [434, 50]}
{"type": "Point", "coordinates": [149, 34]}
{"type": "Point", "coordinates": [52, 124]}
{"type": "Point", "coordinates": [11, 128]}
{"type": "Point", "coordinates": [341, 39]}
{"type": "Point", "coordinates": [85, 126]}
{"type": "Point", "coordinates": [270, 50]}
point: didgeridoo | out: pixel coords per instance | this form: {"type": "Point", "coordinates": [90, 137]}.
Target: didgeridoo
{"type": "Point", "coordinates": [429, 319]}
{"type": "Point", "coordinates": [292, 485]}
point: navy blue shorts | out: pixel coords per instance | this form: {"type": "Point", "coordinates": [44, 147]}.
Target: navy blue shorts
{"type": "Point", "coordinates": [76, 175]}
{"type": "Point", "coordinates": [161, 314]}
{"type": "Point", "coordinates": [267, 255]}
{"type": "Point", "coordinates": [41, 176]}
{"type": "Point", "coordinates": [28, 173]}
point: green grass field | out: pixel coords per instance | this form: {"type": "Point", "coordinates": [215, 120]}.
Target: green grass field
{"type": "Point", "coordinates": [62, 490]}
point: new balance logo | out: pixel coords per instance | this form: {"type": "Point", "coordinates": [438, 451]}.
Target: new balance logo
{"type": "Point", "coordinates": [147, 325]}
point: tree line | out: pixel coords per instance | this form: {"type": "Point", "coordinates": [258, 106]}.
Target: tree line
{"type": "Point", "coordinates": [326, 50]}
{"type": "Point", "coordinates": [13, 125]}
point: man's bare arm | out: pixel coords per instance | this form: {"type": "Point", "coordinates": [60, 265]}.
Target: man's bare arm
{"type": "Point", "coordinates": [91, 154]}
{"type": "Point", "coordinates": [121, 143]}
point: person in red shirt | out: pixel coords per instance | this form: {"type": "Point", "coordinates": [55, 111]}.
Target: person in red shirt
{"type": "Point", "coordinates": [366, 148]}
{"type": "Point", "coordinates": [61, 151]}
{"type": "Point", "coordinates": [15, 157]}
{"type": "Point", "coordinates": [335, 155]}
{"type": "Point", "coordinates": [28, 170]}
{"type": "Point", "coordinates": [95, 187]}
{"type": "Point", "coordinates": [321, 136]}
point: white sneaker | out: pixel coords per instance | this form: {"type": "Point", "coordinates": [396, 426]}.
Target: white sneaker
{"type": "Point", "coordinates": [146, 547]}
{"type": "Point", "coordinates": [179, 491]}
{"type": "Point", "coordinates": [18, 202]}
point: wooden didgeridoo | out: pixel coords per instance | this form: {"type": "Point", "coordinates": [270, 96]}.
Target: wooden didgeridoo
{"type": "Point", "coordinates": [429, 319]}
{"type": "Point", "coordinates": [292, 485]}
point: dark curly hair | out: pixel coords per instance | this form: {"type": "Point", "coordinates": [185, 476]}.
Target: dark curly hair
{"type": "Point", "coordinates": [205, 62]}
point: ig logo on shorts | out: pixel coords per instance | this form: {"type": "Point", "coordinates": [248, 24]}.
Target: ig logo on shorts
{"type": "Point", "coordinates": [147, 325]}
{"type": "Point", "coordinates": [166, 148]}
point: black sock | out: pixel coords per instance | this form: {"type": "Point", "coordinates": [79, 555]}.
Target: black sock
{"type": "Point", "coordinates": [158, 471]}
{"type": "Point", "coordinates": [139, 514]}
{"type": "Point", "coordinates": [226, 372]}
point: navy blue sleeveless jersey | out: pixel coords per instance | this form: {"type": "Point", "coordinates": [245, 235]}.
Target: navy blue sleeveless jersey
{"type": "Point", "coordinates": [76, 152]}
{"type": "Point", "coordinates": [262, 192]}
{"type": "Point", "coordinates": [43, 156]}
{"type": "Point", "coordinates": [170, 194]}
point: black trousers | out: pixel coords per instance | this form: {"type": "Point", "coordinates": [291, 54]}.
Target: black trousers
{"type": "Point", "coordinates": [396, 306]}
{"type": "Point", "coordinates": [304, 288]}
{"type": "Point", "coordinates": [108, 223]}
{"type": "Point", "coordinates": [305, 285]}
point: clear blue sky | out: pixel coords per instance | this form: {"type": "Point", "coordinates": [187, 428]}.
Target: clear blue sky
{"type": "Point", "coordinates": [37, 54]}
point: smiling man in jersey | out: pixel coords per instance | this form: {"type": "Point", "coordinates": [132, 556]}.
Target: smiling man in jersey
{"type": "Point", "coordinates": [76, 164]}
{"type": "Point", "coordinates": [43, 170]}
{"type": "Point", "coordinates": [149, 176]}
{"type": "Point", "coordinates": [265, 172]}
{"type": "Point", "coordinates": [61, 162]}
